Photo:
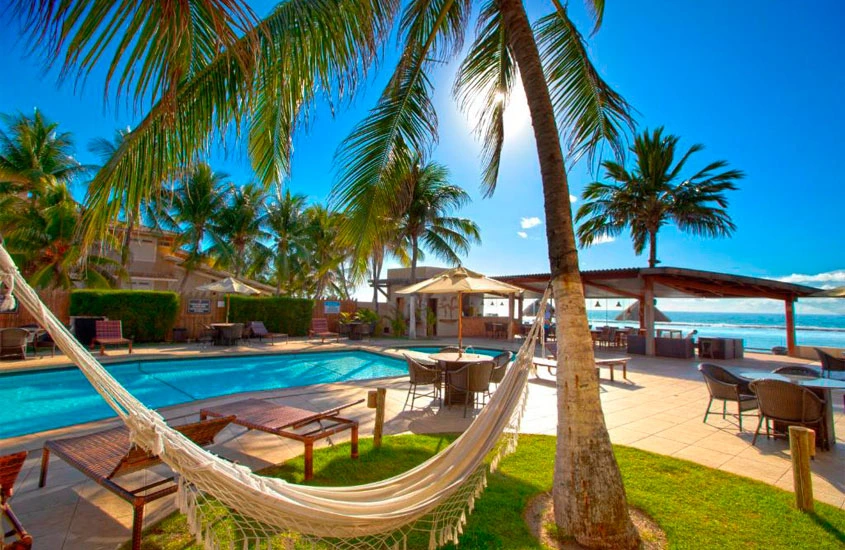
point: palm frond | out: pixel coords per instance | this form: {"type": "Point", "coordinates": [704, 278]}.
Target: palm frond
{"type": "Point", "coordinates": [483, 89]}
{"type": "Point", "coordinates": [589, 111]}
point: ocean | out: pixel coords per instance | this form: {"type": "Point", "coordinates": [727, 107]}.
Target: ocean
{"type": "Point", "coordinates": [761, 331]}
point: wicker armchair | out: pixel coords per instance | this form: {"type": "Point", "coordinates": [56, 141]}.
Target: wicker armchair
{"type": "Point", "coordinates": [420, 375]}
{"type": "Point", "coordinates": [471, 379]}
{"type": "Point", "coordinates": [501, 361]}
{"type": "Point", "coordinates": [797, 370]}
{"type": "Point", "coordinates": [724, 385]}
{"type": "Point", "coordinates": [450, 349]}
{"type": "Point", "coordinates": [789, 404]}
{"type": "Point", "coordinates": [13, 342]}
{"type": "Point", "coordinates": [830, 363]}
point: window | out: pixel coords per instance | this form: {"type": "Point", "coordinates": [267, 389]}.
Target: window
{"type": "Point", "coordinates": [143, 250]}
{"type": "Point", "coordinates": [140, 284]}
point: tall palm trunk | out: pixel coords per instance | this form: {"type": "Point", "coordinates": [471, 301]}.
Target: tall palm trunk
{"type": "Point", "coordinates": [652, 249]}
{"type": "Point", "coordinates": [589, 497]}
{"type": "Point", "coordinates": [127, 238]}
{"type": "Point", "coordinates": [412, 299]}
{"type": "Point", "coordinates": [376, 270]}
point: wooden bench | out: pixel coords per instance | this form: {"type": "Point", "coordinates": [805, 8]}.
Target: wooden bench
{"type": "Point", "coordinates": [609, 363]}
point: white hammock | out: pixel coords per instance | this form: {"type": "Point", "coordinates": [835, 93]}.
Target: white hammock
{"type": "Point", "coordinates": [434, 497]}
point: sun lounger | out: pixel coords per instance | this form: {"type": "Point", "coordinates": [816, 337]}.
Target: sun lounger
{"type": "Point", "coordinates": [257, 328]}
{"type": "Point", "coordinates": [109, 333]}
{"type": "Point", "coordinates": [609, 363]}
{"type": "Point", "coordinates": [13, 342]}
{"type": "Point", "coordinates": [290, 422]}
{"type": "Point", "coordinates": [106, 455]}
{"type": "Point", "coordinates": [320, 329]}
{"type": "Point", "coordinates": [10, 467]}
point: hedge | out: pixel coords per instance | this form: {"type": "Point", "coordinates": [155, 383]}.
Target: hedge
{"type": "Point", "coordinates": [147, 315]}
{"type": "Point", "coordinates": [280, 314]}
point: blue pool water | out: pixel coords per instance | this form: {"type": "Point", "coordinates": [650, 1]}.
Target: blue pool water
{"type": "Point", "coordinates": [37, 401]}
{"type": "Point", "coordinates": [435, 349]}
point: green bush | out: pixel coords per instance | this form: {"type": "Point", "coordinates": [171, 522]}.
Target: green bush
{"type": "Point", "coordinates": [280, 314]}
{"type": "Point", "coordinates": [147, 315]}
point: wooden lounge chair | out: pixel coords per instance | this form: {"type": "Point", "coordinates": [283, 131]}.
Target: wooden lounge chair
{"type": "Point", "coordinates": [106, 455]}
{"type": "Point", "coordinates": [13, 342]}
{"type": "Point", "coordinates": [290, 422]}
{"type": "Point", "coordinates": [109, 333]}
{"type": "Point", "coordinates": [10, 467]}
{"type": "Point", "coordinates": [320, 329]}
{"type": "Point", "coordinates": [257, 328]}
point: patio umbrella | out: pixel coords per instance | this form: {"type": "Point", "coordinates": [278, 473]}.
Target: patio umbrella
{"type": "Point", "coordinates": [228, 286]}
{"type": "Point", "coordinates": [632, 313]}
{"type": "Point", "coordinates": [461, 281]}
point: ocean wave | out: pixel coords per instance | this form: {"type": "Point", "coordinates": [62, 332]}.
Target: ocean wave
{"type": "Point", "coordinates": [750, 326]}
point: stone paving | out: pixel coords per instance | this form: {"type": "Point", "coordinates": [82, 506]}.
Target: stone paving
{"type": "Point", "coordinates": [658, 408]}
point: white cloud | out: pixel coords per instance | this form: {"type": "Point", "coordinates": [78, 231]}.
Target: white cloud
{"type": "Point", "coordinates": [528, 223]}
{"type": "Point", "coordinates": [522, 234]}
{"type": "Point", "coordinates": [572, 198]}
{"type": "Point", "coordinates": [604, 239]}
{"type": "Point", "coordinates": [828, 279]}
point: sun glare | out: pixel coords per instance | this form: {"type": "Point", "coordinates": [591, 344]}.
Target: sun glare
{"type": "Point", "coordinates": [517, 117]}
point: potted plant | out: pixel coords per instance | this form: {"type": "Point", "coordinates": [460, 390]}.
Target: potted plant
{"type": "Point", "coordinates": [344, 320]}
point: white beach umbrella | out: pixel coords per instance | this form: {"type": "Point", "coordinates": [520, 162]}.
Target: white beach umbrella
{"type": "Point", "coordinates": [228, 286]}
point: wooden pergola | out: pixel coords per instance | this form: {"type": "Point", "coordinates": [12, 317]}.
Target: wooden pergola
{"type": "Point", "coordinates": [646, 284]}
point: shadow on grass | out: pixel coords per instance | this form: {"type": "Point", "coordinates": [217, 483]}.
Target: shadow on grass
{"type": "Point", "coordinates": [827, 526]}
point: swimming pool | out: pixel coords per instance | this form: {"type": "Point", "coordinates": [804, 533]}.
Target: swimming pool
{"type": "Point", "coordinates": [45, 400]}
{"type": "Point", "coordinates": [434, 349]}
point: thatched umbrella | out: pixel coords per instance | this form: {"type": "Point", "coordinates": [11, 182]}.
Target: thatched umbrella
{"type": "Point", "coordinates": [632, 313]}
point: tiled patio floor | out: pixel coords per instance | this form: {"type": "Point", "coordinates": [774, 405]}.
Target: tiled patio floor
{"type": "Point", "coordinates": [659, 408]}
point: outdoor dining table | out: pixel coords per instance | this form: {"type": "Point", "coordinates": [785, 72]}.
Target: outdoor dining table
{"type": "Point", "coordinates": [222, 332]}
{"type": "Point", "coordinates": [824, 384]}
{"type": "Point", "coordinates": [453, 361]}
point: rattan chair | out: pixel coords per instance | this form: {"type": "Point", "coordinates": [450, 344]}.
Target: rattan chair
{"type": "Point", "coordinates": [471, 379]}
{"type": "Point", "coordinates": [13, 342]}
{"type": "Point", "coordinates": [789, 404]}
{"type": "Point", "coordinates": [421, 375]}
{"type": "Point", "coordinates": [501, 361]}
{"type": "Point", "coordinates": [10, 467]}
{"type": "Point", "coordinates": [724, 385]}
{"type": "Point", "coordinates": [797, 370]}
{"type": "Point", "coordinates": [450, 349]}
{"type": "Point", "coordinates": [830, 363]}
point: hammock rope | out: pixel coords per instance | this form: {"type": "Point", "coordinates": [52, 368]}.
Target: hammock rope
{"type": "Point", "coordinates": [434, 497]}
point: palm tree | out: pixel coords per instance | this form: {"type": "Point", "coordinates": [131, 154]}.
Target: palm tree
{"type": "Point", "coordinates": [423, 220]}
{"type": "Point", "coordinates": [194, 205]}
{"type": "Point", "coordinates": [305, 50]}
{"type": "Point", "coordinates": [42, 239]}
{"type": "Point", "coordinates": [35, 156]}
{"type": "Point", "coordinates": [286, 221]}
{"type": "Point", "coordinates": [654, 195]}
{"type": "Point", "coordinates": [240, 224]}
{"type": "Point", "coordinates": [327, 253]}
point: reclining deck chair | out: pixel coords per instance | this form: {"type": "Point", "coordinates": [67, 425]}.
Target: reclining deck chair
{"type": "Point", "coordinates": [13, 342]}
{"type": "Point", "coordinates": [320, 329]}
{"type": "Point", "coordinates": [10, 467]}
{"type": "Point", "coordinates": [106, 455]}
{"type": "Point", "coordinates": [108, 333]}
{"type": "Point", "coordinates": [285, 421]}
{"type": "Point", "coordinates": [257, 328]}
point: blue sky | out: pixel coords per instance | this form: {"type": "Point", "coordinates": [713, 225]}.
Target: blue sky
{"type": "Point", "coordinates": [757, 82]}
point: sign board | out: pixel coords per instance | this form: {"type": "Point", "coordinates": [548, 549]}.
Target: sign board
{"type": "Point", "coordinates": [331, 307]}
{"type": "Point", "coordinates": [199, 306]}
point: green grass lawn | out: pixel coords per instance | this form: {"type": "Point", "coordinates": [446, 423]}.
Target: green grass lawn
{"type": "Point", "coordinates": [698, 507]}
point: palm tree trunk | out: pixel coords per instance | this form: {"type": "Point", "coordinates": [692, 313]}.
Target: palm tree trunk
{"type": "Point", "coordinates": [376, 270]}
{"type": "Point", "coordinates": [589, 497]}
{"type": "Point", "coordinates": [652, 249]}
{"type": "Point", "coordinates": [412, 299]}
{"type": "Point", "coordinates": [127, 238]}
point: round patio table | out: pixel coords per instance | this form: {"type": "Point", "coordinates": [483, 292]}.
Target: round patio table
{"type": "Point", "coordinates": [453, 361]}
{"type": "Point", "coordinates": [824, 384]}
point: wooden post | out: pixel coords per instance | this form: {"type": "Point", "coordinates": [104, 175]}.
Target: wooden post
{"type": "Point", "coordinates": [648, 309]}
{"type": "Point", "coordinates": [511, 304]}
{"type": "Point", "coordinates": [800, 440]}
{"type": "Point", "coordinates": [376, 400]}
{"type": "Point", "coordinates": [790, 326]}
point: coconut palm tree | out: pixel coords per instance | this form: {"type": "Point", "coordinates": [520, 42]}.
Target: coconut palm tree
{"type": "Point", "coordinates": [240, 224]}
{"type": "Point", "coordinates": [42, 239]}
{"type": "Point", "coordinates": [307, 50]}
{"type": "Point", "coordinates": [286, 222]}
{"type": "Point", "coordinates": [327, 253]}
{"type": "Point", "coordinates": [35, 156]}
{"type": "Point", "coordinates": [193, 206]}
{"type": "Point", "coordinates": [425, 201]}
{"type": "Point", "coordinates": [655, 194]}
